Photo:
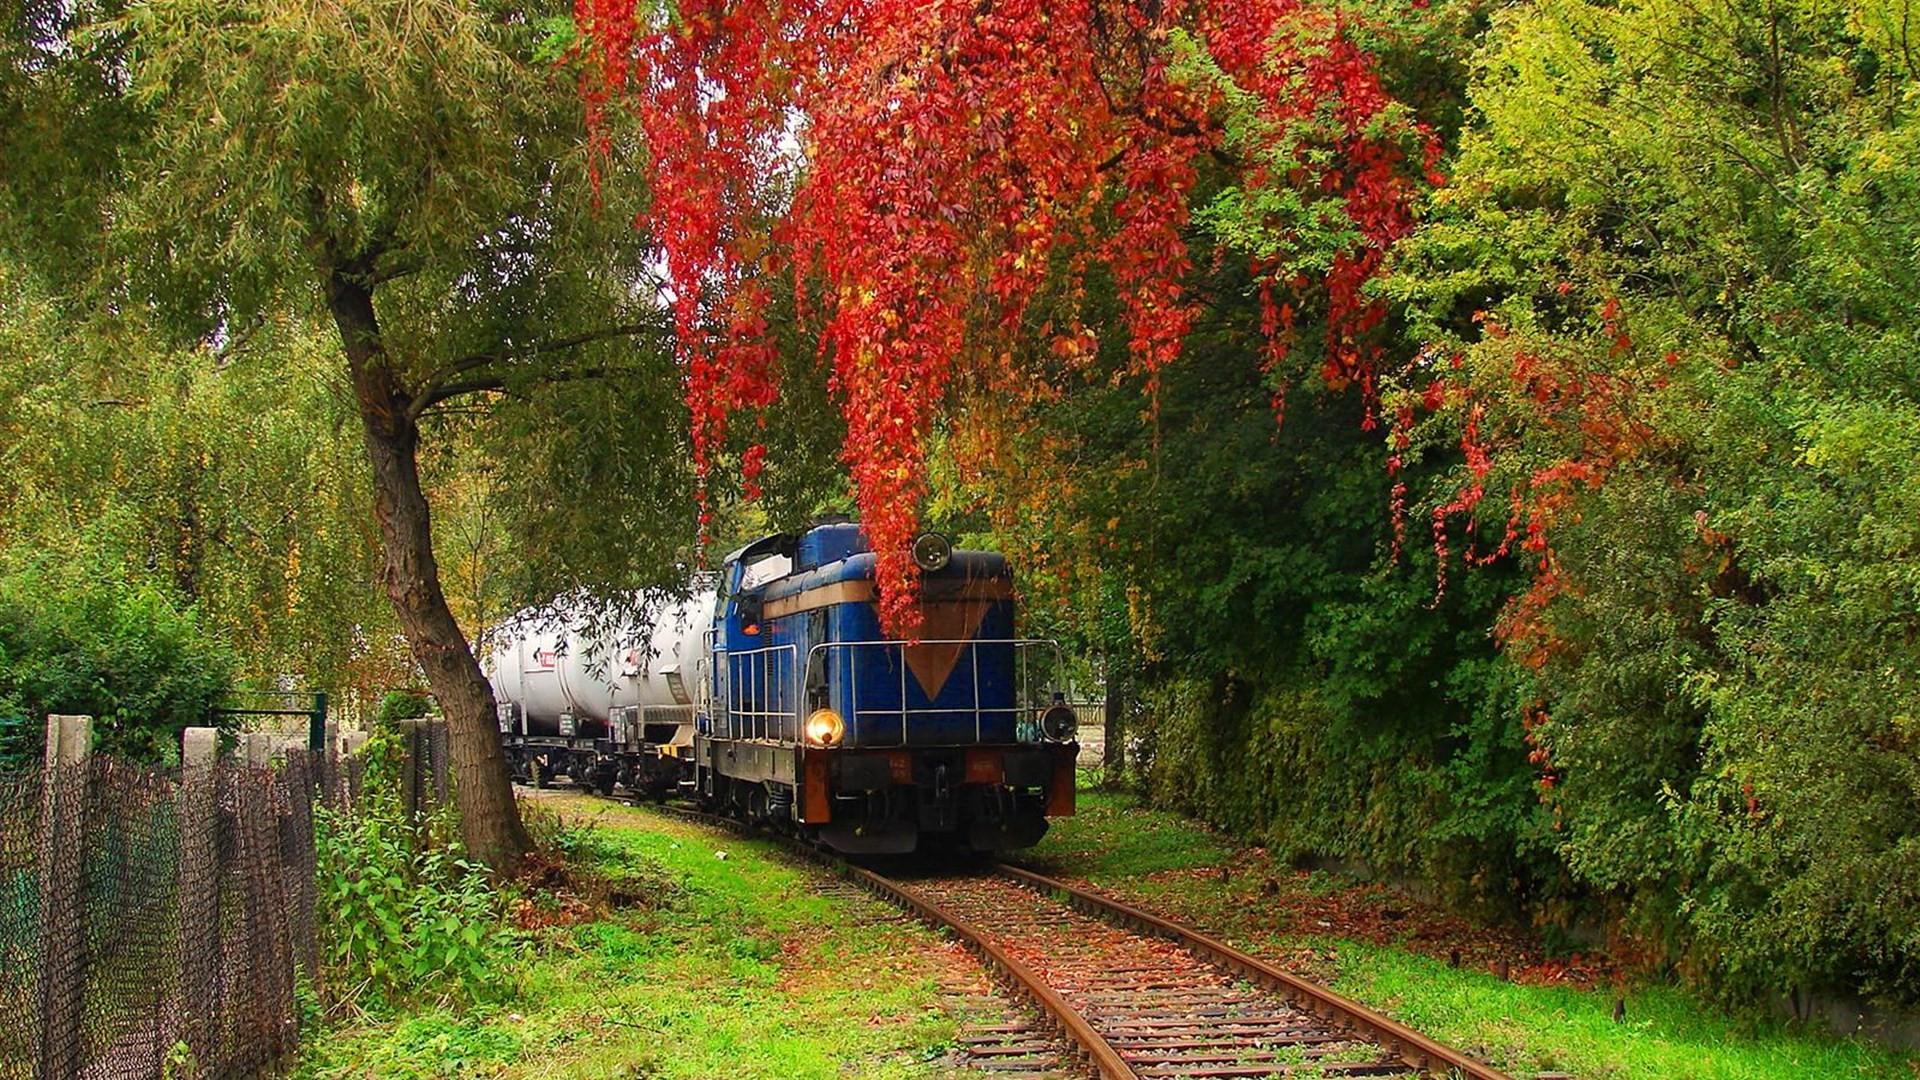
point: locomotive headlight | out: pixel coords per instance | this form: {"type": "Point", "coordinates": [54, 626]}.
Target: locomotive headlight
{"type": "Point", "coordinates": [825, 728]}
{"type": "Point", "coordinates": [1059, 723]}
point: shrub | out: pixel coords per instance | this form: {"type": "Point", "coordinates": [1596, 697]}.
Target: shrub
{"type": "Point", "coordinates": [404, 919]}
{"type": "Point", "coordinates": [398, 705]}
{"type": "Point", "coordinates": [141, 664]}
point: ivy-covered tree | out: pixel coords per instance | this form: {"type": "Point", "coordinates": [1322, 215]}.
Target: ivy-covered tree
{"type": "Point", "coordinates": [959, 168]}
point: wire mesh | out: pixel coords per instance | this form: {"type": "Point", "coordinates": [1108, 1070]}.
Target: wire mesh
{"type": "Point", "coordinates": [19, 919]}
{"type": "Point", "coordinates": [159, 921]}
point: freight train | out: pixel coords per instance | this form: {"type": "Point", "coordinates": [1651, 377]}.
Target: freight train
{"type": "Point", "coordinates": [772, 693]}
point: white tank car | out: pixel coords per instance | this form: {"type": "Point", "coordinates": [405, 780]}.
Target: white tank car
{"type": "Point", "coordinates": [553, 678]}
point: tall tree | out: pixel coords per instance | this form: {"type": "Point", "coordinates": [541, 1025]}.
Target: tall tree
{"type": "Point", "coordinates": [230, 477]}
{"type": "Point", "coordinates": [415, 175]}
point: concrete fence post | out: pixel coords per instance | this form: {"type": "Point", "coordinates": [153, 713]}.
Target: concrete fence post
{"type": "Point", "coordinates": [199, 882]}
{"type": "Point", "coordinates": [351, 743]}
{"type": "Point", "coordinates": [257, 746]}
{"type": "Point", "coordinates": [62, 938]}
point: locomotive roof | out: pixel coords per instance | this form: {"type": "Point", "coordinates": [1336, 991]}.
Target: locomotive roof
{"type": "Point", "coordinates": [838, 551]}
{"type": "Point", "coordinates": [765, 547]}
{"type": "Point", "coordinates": [966, 565]}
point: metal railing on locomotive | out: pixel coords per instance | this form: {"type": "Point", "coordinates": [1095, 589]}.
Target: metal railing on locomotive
{"type": "Point", "coordinates": [760, 672]}
{"type": "Point", "coordinates": [777, 667]}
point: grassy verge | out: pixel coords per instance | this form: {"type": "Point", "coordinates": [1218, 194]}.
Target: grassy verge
{"type": "Point", "coordinates": [736, 970]}
{"type": "Point", "coordinates": [1395, 954]}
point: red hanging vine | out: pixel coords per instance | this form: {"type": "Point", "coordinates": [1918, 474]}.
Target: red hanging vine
{"type": "Point", "coordinates": [925, 169]}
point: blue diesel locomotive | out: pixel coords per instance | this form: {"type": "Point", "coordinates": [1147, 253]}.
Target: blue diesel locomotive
{"type": "Point", "coordinates": [813, 719]}
{"type": "Point", "coordinates": [773, 694]}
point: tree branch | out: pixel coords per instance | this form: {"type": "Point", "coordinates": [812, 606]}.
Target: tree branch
{"type": "Point", "coordinates": [438, 388]}
{"type": "Point", "coordinates": [497, 383]}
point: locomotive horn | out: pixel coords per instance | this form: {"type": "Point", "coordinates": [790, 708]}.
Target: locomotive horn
{"type": "Point", "coordinates": [932, 552]}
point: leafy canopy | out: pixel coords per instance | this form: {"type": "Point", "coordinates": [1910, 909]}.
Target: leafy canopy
{"type": "Point", "coordinates": [203, 169]}
{"type": "Point", "coordinates": [1674, 276]}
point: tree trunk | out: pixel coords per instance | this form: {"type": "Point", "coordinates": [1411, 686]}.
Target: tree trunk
{"type": "Point", "coordinates": [490, 822]}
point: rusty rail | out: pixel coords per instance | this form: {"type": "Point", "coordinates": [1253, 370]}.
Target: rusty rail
{"type": "Point", "coordinates": [1100, 1054]}
{"type": "Point", "coordinates": [1412, 1050]}
{"type": "Point", "coordinates": [1409, 1045]}
{"type": "Point", "coordinates": [1106, 1061]}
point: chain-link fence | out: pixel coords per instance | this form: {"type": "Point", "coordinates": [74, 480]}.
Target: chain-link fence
{"type": "Point", "coordinates": [160, 922]}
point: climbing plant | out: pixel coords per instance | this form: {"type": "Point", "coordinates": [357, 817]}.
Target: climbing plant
{"type": "Point", "coordinates": [926, 172]}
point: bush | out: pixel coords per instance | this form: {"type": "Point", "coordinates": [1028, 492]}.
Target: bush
{"type": "Point", "coordinates": [404, 919]}
{"type": "Point", "coordinates": [141, 664]}
{"type": "Point", "coordinates": [398, 705]}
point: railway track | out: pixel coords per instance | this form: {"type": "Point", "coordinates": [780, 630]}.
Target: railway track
{"type": "Point", "coordinates": [1137, 996]}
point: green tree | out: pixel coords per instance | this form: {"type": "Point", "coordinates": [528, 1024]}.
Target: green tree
{"type": "Point", "coordinates": [1676, 263]}
{"type": "Point", "coordinates": [229, 477]}
{"type": "Point", "coordinates": [415, 175]}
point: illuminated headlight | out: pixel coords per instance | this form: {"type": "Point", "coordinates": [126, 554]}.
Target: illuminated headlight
{"type": "Point", "coordinates": [1059, 723]}
{"type": "Point", "coordinates": [825, 728]}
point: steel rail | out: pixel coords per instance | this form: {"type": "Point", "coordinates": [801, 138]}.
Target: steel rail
{"type": "Point", "coordinates": [1410, 1046]}
{"type": "Point", "coordinates": [1415, 1050]}
{"type": "Point", "coordinates": [1100, 1054]}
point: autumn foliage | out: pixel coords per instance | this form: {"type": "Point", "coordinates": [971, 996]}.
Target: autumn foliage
{"type": "Point", "coordinates": [925, 170]}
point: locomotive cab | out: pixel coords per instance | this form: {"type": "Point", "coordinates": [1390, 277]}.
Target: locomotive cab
{"type": "Point", "coordinates": [818, 721]}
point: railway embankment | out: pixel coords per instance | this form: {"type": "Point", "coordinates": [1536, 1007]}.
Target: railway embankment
{"type": "Point", "coordinates": [738, 960]}
{"type": "Point", "coordinates": [1496, 992]}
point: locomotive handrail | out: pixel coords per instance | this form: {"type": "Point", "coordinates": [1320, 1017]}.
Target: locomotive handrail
{"type": "Point", "coordinates": [767, 682]}
{"type": "Point", "coordinates": [1020, 646]}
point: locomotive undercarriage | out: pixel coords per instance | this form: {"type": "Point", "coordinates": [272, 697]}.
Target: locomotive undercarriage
{"type": "Point", "coordinates": [972, 817]}
{"type": "Point", "coordinates": [868, 802]}
{"type": "Point", "coordinates": [888, 802]}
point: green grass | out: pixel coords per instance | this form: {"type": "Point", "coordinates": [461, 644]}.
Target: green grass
{"type": "Point", "coordinates": [1530, 1028]}
{"type": "Point", "coordinates": [1112, 837]}
{"type": "Point", "coordinates": [1164, 862]}
{"type": "Point", "coordinates": [745, 973]}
